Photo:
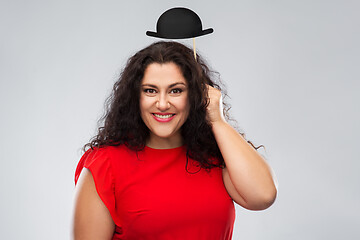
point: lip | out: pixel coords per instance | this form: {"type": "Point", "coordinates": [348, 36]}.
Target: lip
{"type": "Point", "coordinates": [162, 119]}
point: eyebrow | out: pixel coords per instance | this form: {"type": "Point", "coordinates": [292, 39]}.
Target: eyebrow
{"type": "Point", "coordinates": [170, 86]}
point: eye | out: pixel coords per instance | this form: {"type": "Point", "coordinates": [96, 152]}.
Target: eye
{"type": "Point", "coordinates": [176, 90]}
{"type": "Point", "coordinates": [149, 90]}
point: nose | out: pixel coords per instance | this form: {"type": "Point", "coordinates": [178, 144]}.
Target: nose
{"type": "Point", "coordinates": [162, 103]}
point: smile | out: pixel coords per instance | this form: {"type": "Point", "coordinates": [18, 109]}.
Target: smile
{"type": "Point", "coordinates": [163, 118]}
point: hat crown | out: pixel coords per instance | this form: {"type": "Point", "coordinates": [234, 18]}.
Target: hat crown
{"type": "Point", "coordinates": [179, 20]}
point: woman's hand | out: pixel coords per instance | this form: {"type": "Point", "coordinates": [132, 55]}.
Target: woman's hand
{"type": "Point", "coordinates": [215, 107]}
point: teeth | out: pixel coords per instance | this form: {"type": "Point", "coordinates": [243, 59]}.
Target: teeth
{"type": "Point", "coordinates": [163, 116]}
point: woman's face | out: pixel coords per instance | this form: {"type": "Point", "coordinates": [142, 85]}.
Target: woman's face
{"type": "Point", "coordinates": [164, 104]}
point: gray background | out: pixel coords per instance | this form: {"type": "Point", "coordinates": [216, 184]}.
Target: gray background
{"type": "Point", "coordinates": [292, 72]}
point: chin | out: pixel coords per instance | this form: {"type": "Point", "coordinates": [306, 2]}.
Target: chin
{"type": "Point", "coordinates": [164, 133]}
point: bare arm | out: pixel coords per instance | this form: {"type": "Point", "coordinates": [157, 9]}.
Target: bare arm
{"type": "Point", "coordinates": [247, 177]}
{"type": "Point", "coordinates": [91, 219]}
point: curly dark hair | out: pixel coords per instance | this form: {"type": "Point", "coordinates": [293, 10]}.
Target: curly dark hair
{"type": "Point", "coordinates": [122, 122]}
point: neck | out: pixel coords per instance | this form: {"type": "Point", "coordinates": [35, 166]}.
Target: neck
{"type": "Point", "coordinates": [164, 143]}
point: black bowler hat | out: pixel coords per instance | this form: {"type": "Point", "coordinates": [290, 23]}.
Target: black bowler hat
{"type": "Point", "coordinates": [178, 23]}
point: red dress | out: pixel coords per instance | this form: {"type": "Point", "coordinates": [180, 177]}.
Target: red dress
{"type": "Point", "coordinates": [151, 196]}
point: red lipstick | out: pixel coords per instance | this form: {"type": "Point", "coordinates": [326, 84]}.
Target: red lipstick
{"type": "Point", "coordinates": [163, 119]}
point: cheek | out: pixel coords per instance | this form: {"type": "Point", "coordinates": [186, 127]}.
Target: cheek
{"type": "Point", "coordinates": [144, 106]}
{"type": "Point", "coordinates": [184, 106]}
{"type": "Point", "coordinates": [144, 103]}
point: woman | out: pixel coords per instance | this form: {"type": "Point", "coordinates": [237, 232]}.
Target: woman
{"type": "Point", "coordinates": [166, 164]}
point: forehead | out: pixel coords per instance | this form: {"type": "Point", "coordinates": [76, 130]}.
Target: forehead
{"type": "Point", "coordinates": [163, 74]}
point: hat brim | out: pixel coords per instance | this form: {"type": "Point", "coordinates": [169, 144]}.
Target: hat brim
{"type": "Point", "coordinates": [180, 36]}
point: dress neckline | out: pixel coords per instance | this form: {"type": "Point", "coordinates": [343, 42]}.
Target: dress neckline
{"type": "Point", "coordinates": [164, 150]}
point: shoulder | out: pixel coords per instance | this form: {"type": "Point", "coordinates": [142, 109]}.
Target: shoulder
{"type": "Point", "coordinates": [113, 156]}
{"type": "Point", "coordinates": [101, 159]}
{"type": "Point", "coordinates": [105, 153]}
